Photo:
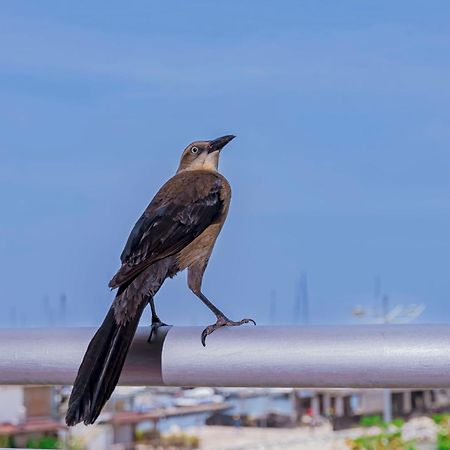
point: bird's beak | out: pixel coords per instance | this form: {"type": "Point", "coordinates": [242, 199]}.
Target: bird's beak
{"type": "Point", "coordinates": [219, 143]}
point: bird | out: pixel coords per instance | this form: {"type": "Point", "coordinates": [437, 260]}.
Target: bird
{"type": "Point", "coordinates": [177, 231]}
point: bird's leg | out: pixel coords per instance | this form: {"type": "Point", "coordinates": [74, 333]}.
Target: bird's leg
{"type": "Point", "coordinates": [222, 320]}
{"type": "Point", "coordinates": [156, 321]}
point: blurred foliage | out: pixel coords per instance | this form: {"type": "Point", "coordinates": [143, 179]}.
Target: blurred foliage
{"type": "Point", "coordinates": [147, 435]}
{"type": "Point", "coordinates": [441, 419]}
{"type": "Point", "coordinates": [47, 442]}
{"type": "Point", "coordinates": [443, 437]}
{"type": "Point", "coordinates": [139, 435]}
{"type": "Point", "coordinates": [372, 421]}
{"type": "Point", "coordinates": [398, 422]}
{"type": "Point", "coordinates": [382, 441]}
{"type": "Point", "coordinates": [443, 440]}
{"type": "Point", "coordinates": [6, 442]}
{"type": "Point", "coordinates": [181, 440]}
{"type": "Point", "coordinates": [377, 421]}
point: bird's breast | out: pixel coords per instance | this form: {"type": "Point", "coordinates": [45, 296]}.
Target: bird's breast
{"type": "Point", "coordinates": [200, 248]}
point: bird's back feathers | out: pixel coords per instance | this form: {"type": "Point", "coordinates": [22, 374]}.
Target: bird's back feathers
{"type": "Point", "coordinates": [183, 208]}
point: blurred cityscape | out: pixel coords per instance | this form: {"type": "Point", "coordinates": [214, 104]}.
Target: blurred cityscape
{"type": "Point", "coordinates": [227, 418]}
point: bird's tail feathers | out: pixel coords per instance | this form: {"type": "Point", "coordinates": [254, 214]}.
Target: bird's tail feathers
{"type": "Point", "coordinates": [101, 367]}
{"type": "Point", "coordinates": [102, 364]}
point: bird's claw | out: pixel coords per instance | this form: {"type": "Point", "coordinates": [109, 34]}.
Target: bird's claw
{"type": "Point", "coordinates": [222, 322]}
{"type": "Point", "coordinates": [154, 329]}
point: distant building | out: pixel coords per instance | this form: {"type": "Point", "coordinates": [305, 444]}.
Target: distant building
{"type": "Point", "coordinates": [27, 414]}
{"type": "Point", "coordinates": [12, 405]}
{"type": "Point", "coordinates": [346, 406]}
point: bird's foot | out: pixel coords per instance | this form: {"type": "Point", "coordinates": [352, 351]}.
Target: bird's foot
{"type": "Point", "coordinates": [154, 329]}
{"type": "Point", "coordinates": [222, 322]}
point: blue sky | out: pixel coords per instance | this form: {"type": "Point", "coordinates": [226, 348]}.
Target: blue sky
{"type": "Point", "coordinates": [340, 168]}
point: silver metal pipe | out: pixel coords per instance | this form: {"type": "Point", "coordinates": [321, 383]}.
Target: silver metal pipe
{"type": "Point", "coordinates": [372, 356]}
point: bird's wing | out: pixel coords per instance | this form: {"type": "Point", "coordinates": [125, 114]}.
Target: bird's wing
{"type": "Point", "coordinates": [172, 221]}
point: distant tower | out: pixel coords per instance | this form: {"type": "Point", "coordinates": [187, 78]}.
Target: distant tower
{"type": "Point", "coordinates": [301, 308]}
{"type": "Point", "coordinates": [62, 309]}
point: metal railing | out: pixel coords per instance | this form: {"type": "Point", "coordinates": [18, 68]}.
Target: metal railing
{"type": "Point", "coordinates": [372, 356]}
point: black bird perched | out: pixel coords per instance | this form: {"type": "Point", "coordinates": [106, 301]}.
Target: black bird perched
{"type": "Point", "coordinates": [177, 231]}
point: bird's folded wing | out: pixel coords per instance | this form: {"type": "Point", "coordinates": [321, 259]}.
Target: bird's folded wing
{"type": "Point", "coordinates": [165, 230]}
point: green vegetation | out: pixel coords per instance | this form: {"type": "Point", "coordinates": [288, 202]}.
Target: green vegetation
{"type": "Point", "coordinates": [372, 421]}
{"type": "Point", "coordinates": [382, 441]}
{"type": "Point", "coordinates": [175, 440]}
{"type": "Point", "coordinates": [443, 437]}
{"type": "Point", "coordinates": [46, 442]}
{"type": "Point", "coordinates": [398, 422]}
{"type": "Point", "coordinates": [377, 421]}
{"type": "Point", "coordinates": [441, 419]}
{"type": "Point", "coordinates": [443, 440]}
{"type": "Point", "coordinates": [6, 442]}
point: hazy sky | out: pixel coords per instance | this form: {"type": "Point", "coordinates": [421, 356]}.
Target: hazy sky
{"type": "Point", "coordinates": [340, 168]}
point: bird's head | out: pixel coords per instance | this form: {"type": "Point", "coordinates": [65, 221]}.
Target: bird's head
{"type": "Point", "coordinates": [203, 155]}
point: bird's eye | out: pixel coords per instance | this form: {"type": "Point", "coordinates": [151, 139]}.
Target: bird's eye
{"type": "Point", "coordinates": [194, 150]}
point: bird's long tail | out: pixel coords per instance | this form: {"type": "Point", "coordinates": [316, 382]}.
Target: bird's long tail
{"type": "Point", "coordinates": [101, 367]}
